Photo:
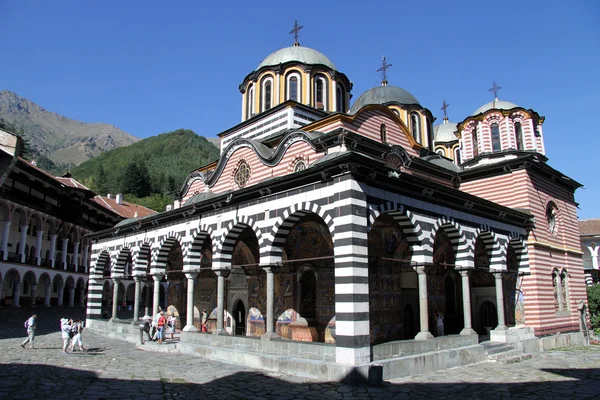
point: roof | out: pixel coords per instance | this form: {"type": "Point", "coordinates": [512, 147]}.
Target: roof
{"type": "Point", "coordinates": [71, 183]}
{"type": "Point", "coordinates": [589, 227]}
{"type": "Point", "coordinates": [444, 132]}
{"type": "Point", "coordinates": [495, 105]}
{"type": "Point", "coordinates": [125, 209]}
{"type": "Point", "coordinates": [383, 95]}
{"type": "Point", "coordinates": [301, 54]}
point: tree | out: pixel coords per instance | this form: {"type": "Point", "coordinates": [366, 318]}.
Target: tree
{"type": "Point", "coordinates": [593, 293]}
{"type": "Point", "coordinates": [101, 181]}
{"type": "Point", "coordinates": [136, 180]}
{"type": "Point", "coordinates": [171, 186]}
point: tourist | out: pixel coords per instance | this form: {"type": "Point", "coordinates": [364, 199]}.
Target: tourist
{"type": "Point", "coordinates": [171, 320]}
{"type": "Point", "coordinates": [204, 321]}
{"type": "Point", "coordinates": [65, 328]}
{"type": "Point", "coordinates": [160, 324]}
{"type": "Point", "coordinates": [30, 325]}
{"type": "Point", "coordinates": [76, 330]}
{"type": "Point", "coordinates": [146, 326]}
{"type": "Point", "coordinates": [439, 323]}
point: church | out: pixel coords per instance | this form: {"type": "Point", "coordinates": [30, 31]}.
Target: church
{"type": "Point", "coordinates": [337, 234]}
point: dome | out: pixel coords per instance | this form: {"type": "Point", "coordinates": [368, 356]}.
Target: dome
{"type": "Point", "coordinates": [383, 95]}
{"type": "Point", "coordinates": [444, 132]}
{"type": "Point", "coordinates": [301, 54]}
{"type": "Point", "coordinates": [496, 105]}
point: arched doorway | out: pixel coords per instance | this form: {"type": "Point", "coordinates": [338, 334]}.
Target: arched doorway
{"type": "Point", "coordinates": [410, 328]}
{"type": "Point", "coordinates": [246, 284]}
{"type": "Point", "coordinates": [444, 286]}
{"type": "Point", "coordinates": [239, 315]}
{"type": "Point", "coordinates": [483, 286]}
{"type": "Point", "coordinates": [175, 299]}
{"type": "Point", "coordinates": [488, 316]}
{"type": "Point", "coordinates": [10, 283]}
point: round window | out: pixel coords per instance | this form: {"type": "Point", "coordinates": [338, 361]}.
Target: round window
{"type": "Point", "coordinates": [242, 174]}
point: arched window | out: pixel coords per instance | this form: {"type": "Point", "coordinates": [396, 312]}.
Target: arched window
{"type": "Point", "coordinates": [457, 156]}
{"type": "Point", "coordinates": [320, 92]}
{"type": "Point", "coordinates": [564, 290]}
{"type": "Point", "coordinates": [475, 142]}
{"type": "Point", "coordinates": [496, 146]}
{"type": "Point", "coordinates": [440, 152]}
{"type": "Point", "coordinates": [293, 87]}
{"type": "Point", "coordinates": [415, 126]}
{"type": "Point", "coordinates": [519, 135]}
{"type": "Point", "coordinates": [250, 102]}
{"type": "Point", "coordinates": [341, 103]}
{"type": "Point", "coordinates": [299, 166]}
{"type": "Point", "coordinates": [267, 93]}
{"type": "Point", "coordinates": [556, 290]}
{"type": "Point", "coordinates": [551, 212]}
{"type": "Point", "coordinates": [383, 133]}
{"type": "Point", "coordinates": [242, 174]}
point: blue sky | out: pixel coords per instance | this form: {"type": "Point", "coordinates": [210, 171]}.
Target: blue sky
{"type": "Point", "coordinates": [154, 66]}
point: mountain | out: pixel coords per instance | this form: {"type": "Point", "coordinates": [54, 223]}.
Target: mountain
{"type": "Point", "coordinates": [61, 139]}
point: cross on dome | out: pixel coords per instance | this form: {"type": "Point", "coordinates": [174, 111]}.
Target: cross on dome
{"type": "Point", "coordinates": [383, 69]}
{"type": "Point", "coordinates": [445, 109]}
{"type": "Point", "coordinates": [495, 89]}
{"type": "Point", "coordinates": [295, 31]}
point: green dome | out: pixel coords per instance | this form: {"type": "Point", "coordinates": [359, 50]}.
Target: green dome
{"type": "Point", "coordinates": [301, 54]}
{"type": "Point", "coordinates": [383, 95]}
{"type": "Point", "coordinates": [495, 105]}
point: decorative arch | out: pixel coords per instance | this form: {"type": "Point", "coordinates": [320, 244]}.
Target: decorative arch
{"type": "Point", "coordinates": [456, 236]}
{"type": "Point", "coordinates": [496, 255]}
{"type": "Point", "coordinates": [99, 265]}
{"type": "Point", "coordinates": [521, 253]}
{"type": "Point", "coordinates": [5, 213]}
{"type": "Point", "coordinates": [162, 256]}
{"type": "Point", "coordinates": [194, 254]}
{"type": "Point", "coordinates": [30, 277]}
{"type": "Point", "coordinates": [143, 259]}
{"type": "Point", "coordinates": [223, 250]}
{"type": "Point", "coordinates": [23, 215]}
{"type": "Point", "coordinates": [122, 259]}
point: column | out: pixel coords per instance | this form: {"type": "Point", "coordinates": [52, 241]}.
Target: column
{"type": "Point", "coordinates": [189, 323]}
{"type": "Point", "coordinates": [84, 260]}
{"type": "Point", "coordinates": [38, 247]}
{"type": "Point", "coordinates": [136, 299]}
{"type": "Point", "coordinates": [47, 293]}
{"type": "Point", "coordinates": [148, 287]}
{"type": "Point", "coordinates": [424, 334]}
{"type": "Point", "coordinates": [115, 299]}
{"type": "Point", "coordinates": [52, 250]}
{"type": "Point", "coordinates": [270, 317]}
{"type": "Point", "coordinates": [71, 296]}
{"type": "Point", "coordinates": [157, 279]}
{"type": "Point", "coordinates": [17, 294]}
{"type": "Point", "coordinates": [82, 297]}
{"type": "Point", "coordinates": [61, 291]}
{"type": "Point", "coordinates": [466, 292]}
{"type": "Point", "coordinates": [220, 301]}
{"type": "Point", "coordinates": [32, 295]}
{"type": "Point", "coordinates": [65, 243]}
{"type": "Point", "coordinates": [75, 254]}
{"type": "Point", "coordinates": [500, 301]}
{"type": "Point", "coordinates": [22, 254]}
{"type": "Point", "coordinates": [4, 243]}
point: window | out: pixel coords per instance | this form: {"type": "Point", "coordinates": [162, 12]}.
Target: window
{"type": "Point", "coordinates": [250, 102]}
{"type": "Point", "coordinates": [475, 142]}
{"type": "Point", "coordinates": [341, 104]}
{"type": "Point", "coordinates": [457, 156]}
{"type": "Point", "coordinates": [440, 152]}
{"type": "Point", "coordinates": [293, 88]}
{"type": "Point", "coordinates": [320, 92]}
{"type": "Point", "coordinates": [555, 290]}
{"type": "Point", "coordinates": [299, 166]}
{"type": "Point", "coordinates": [383, 133]}
{"type": "Point", "coordinates": [496, 146]}
{"type": "Point", "coordinates": [242, 174]}
{"type": "Point", "coordinates": [551, 212]}
{"type": "Point", "coordinates": [564, 292]}
{"type": "Point", "coordinates": [267, 94]}
{"type": "Point", "coordinates": [415, 126]}
{"type": "Point", "coordinates": [519, 135]}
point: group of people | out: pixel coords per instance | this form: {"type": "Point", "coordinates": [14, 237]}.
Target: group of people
{"type": "Point", "coordinates": [158, 327]}
{"type": "Point", "coordinates": [71, 330]}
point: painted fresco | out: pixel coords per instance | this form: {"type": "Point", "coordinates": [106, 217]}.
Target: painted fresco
{"type": "Point", "coordinates": [257, 304]}
{"type": "Point", "coordinates": [443, 259]}
{"type": "Point", "coordinates": [205, 297]}
{"type": "Point", "coordinates": [176, 290]}
{"type": "Point", "coordinates": [386, 241]}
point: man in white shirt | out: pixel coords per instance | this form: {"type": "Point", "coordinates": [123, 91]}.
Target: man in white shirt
{"type": "Point", "coordinates": [31, 325]}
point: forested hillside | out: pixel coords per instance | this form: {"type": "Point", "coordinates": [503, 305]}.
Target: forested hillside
{"type": "Point", "coordinates": [150, 171]}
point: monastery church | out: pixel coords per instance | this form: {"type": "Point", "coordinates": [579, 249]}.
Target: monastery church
{"type": "Point", "coordinates": [335, 231]}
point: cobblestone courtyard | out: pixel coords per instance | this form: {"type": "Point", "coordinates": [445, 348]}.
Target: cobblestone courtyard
{"type": "Point", "coordinates": [114, 369]}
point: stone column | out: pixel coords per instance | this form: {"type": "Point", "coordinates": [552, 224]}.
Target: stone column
{"type": "Point", "coordinates": [424, 334]}
{"type": "Point", "coordinates": [32, 295]}
{"type": "Point", "coordinates": [189, 323]}
{"type": "Point", "coordinates": [220, 301]}
{"type": "Point", "coordinates": [500, 301]}
{"type": "Point", "coordinates": [115, 299]}
{"type": "Point", "coordinates": [157, 279]}
{"type": "Point", "coordinates": [82, 297]}
{"type": "Point", "coordinates": [71, 296]}
{"type": "Point", "coordinates": [52, 250]}
{"type": "Point", "coordinates": [148, 287]}
{"type": "Point", "coordinates": [4, 243]}
{"type": "Point", "coordinates": [136, 298]}
{"type": "Point", "coordinates": [61, 291]}
{"type": "Point", "coordinates": [47, 294]}
{"type": "Point", "coordinates": [38, 247]}
{"type": "Point", "coordinates": [22, 254]}
{"type": "Point", "coordinates": [84, 260]}
{"type": "Point", "coordinates": [65, 243]}
{"type": "Point", "coordinates": [75, 254]}
{"type": "Point", "coordinates": [17, 294]}
{"type": "Point", "coordinates": [466, 292]}
{"type": "Point", "coordinates": [270, 317]}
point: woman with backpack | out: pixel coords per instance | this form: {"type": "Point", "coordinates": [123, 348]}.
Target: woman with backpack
{"type": "Point", "coordinates": [65, 329]}
{"type": "Point", "coordinates": [30, 326]}
{"type": "Point", "coordinates": [76, 330]}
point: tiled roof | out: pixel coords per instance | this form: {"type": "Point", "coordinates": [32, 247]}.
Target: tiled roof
{"type": "Point", "coordinates": [589, 227]}
{"type": "Point", "coordinates": [71, 183]}
{"type": "Point", "coordinates": [125, 209]}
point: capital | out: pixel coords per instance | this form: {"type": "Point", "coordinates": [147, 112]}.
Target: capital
{"type": "Point", "coordinates": [190, 274]}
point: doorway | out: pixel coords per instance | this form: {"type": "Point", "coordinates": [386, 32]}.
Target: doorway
{"type": "Point", "coordinates": [239, 313]}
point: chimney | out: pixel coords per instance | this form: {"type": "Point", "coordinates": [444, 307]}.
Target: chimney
{"type": "Point", "coordinates": [109, 196]}
{"type": "Point", "coordinates": [119, 198]}
{"type": "Point", "coordinates": [169, 207]}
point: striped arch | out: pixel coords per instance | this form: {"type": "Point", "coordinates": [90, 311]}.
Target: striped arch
{"type": "Point", "coordinates": [224, 249]}
{"type": "Point", "coordinates": [141, 259]}
{"type": "Point", "coordinates": [457, 240]}
{"type": "Point", "coordinates": [520, 249]}
{"type": "Point", "coordinates": [98, 262]}
{"type": "Point", "coordinates": [124, 255]}
{"type": "Point", "coordinates": [162, 255]}
{"type": "Point", "coordinates": [194, 254]}
{"type": "Point", "coordinates": [273, 252]}
{"type": "Point", "coordinates": [494, 250]}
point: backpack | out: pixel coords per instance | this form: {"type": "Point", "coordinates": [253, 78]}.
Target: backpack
{"type": "Point", "coordinates": [27, 323]}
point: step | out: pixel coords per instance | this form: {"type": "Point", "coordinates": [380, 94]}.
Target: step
{"type": "Point", "coordinates": [505, 354]}
{"type": "Point", "coordinates": [514, 359]}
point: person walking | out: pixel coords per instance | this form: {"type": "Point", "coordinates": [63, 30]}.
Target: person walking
{"type": "Point", "coordinates": [439, 323]}
{"type": "Point", "coordinates": [161, 327]}
{"type": "Point", "coordinates": [65, 328]}
{"type": "Point", "coordinates": [30, 325]}
{"type": "Point", "coordinates": [76, 330]}
{"type": "Point", "coordinates": [204, 321]}
{"type": "Point", "coordinates": [171, 321]}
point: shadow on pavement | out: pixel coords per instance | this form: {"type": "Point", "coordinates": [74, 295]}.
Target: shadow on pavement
{"type": "Point", "coordinates": [48, 320]}
{"type": "Point", "coordinates": [39, 381]}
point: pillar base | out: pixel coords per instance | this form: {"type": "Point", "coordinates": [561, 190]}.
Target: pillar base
{"type": "Point", "coordinates": [468, 331]}
{"type": "Point", "coordinates": [189, 328]}
{"type": "Point", "coordinates": [270, 336]}
{"type": "Point", "coordinates": [115, 319]}
{"type": "Point", "coordinates": [221, 332]}
{"type": "Point", "coordinates": [424, 335]}
{"type": "Point", "coordinates": [499, 328]}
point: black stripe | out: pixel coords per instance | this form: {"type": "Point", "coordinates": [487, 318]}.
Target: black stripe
{"type": "Point", "coordinates": [351, 298]}
{"type": "Point", "coordinates": [352, 279]}
{"type": "Point", "coordinates": [354, 317]}
{"type": "Point", "coordinates": [353, 342]}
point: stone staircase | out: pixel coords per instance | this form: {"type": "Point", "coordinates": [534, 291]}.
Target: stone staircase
{"type": "Point", "coordinates": [505, 353]}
